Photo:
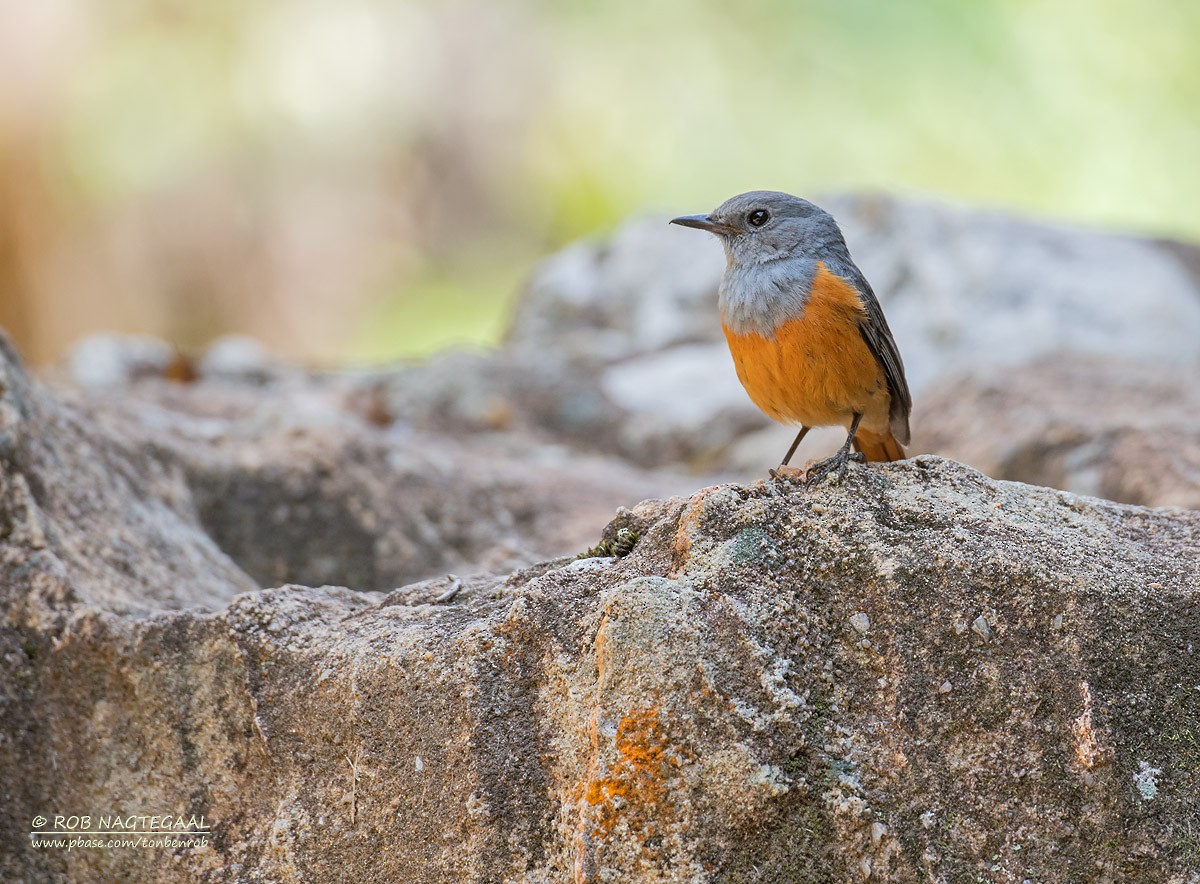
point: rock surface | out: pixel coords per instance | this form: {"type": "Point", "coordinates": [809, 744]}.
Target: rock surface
{"type": "Point", "coordinates": [916, 674]}
{"type": "Point", "coordinates": [295, 481]}
{"type": "Point", "coordinates": [1122, 430]}
{"type": "Point", "coordinates": [95, 516]}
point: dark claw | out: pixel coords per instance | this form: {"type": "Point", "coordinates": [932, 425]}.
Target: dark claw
{"type": "Point", "coordinates": [840, 462]}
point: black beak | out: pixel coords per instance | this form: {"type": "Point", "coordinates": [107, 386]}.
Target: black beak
{"type": "Point", "coordinates": [706, 222]}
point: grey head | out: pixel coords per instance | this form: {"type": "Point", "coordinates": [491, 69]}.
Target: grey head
{"type": "Point", "coordinates": [765, 225]}
{"type": "Point", "coordinates": [773, 242]}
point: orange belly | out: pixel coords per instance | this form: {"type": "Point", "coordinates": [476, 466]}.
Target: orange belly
{"type": "Point", "coordinates": [816, 370]}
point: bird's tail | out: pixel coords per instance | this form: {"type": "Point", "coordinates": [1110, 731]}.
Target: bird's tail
{"type": "Point", "coordinates": [878, 446]}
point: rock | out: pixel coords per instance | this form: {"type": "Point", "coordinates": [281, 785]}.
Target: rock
{"type": "Point", "coordinates": [107, 360]}
{"type": "Point", "coordinates": [375, 513]}
{"type": "Point", "coordinates": [645, 289]}
{"type": "Point", "coordinates": [464, 392]}
{"type": "Point", "coordinates": [675, 409]}
{"type": "Point", "coordinates": [87, 515]}
{"type": "Point", "coordinates": [982, 628]}
{"type": "Point", "coordinates": [239, 358]}
{"type": "Point", "coordinates": [293, 484]}
{"type": "Point", "coordinates": [701, 708]}
{"type": "Point", "coordinates": [1118, 429]}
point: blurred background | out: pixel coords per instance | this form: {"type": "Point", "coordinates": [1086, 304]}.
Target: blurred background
{"type": "Point", "coordinates": [362, 180]}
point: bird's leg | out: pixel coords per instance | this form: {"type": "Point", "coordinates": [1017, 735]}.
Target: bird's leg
{"type": "Point", "coordinates": [839, 461]}
{"type": "Point", "coordinates": [795, 444]}
{"type": "Point", "coordinates": [775, 474]}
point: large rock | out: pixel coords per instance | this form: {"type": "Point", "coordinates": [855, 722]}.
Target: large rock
{"type": "Point", "coordinates": [95, 516]}
{"type": "Point", "coordinates": [298, 479]}
{"type": "Point", "coordinates": [1113, 428]}
{"type": "Point", "coordinates": [917, 674]}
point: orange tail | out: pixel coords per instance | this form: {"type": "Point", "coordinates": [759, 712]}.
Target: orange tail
{"type": "Point", "coordinates": [878, 447]}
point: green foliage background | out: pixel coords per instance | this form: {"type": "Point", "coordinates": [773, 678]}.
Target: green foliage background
{"type": "Point", "coordinates": [450, 143]}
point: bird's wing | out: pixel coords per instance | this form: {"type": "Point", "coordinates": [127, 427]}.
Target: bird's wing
{"type": "Point", "coordinates": [875, 332]}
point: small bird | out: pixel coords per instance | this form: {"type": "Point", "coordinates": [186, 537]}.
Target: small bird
{"type": "Point", "coordinates": [807, 334]}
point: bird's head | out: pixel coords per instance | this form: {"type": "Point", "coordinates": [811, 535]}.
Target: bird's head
{"type": "Point", "coordinates": [766, 225]}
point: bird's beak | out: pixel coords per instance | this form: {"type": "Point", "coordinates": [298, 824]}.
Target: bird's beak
{"type": "Point", "coordinates": [706, 222]}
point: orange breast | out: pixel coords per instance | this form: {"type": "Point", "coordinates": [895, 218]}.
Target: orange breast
{"type": "Point", "coordinates": [816, 370]}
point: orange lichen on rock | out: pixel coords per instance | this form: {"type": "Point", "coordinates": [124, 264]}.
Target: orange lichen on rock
{"type": "Point", "coordinates": [627, 778]}
{"type": "Point", "coordinates": [636, 784]}
{"type": "Point", "coordinates": [626, 791]}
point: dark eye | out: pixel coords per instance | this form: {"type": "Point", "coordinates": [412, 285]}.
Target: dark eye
{"type": "Point", "coordinates": [758, 218]}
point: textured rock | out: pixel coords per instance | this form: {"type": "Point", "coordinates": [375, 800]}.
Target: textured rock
{"type": "Point", "coordinates": [295, 480]}
{"type": "Point", "coordinates": [1116, 429]}
{"type": "Point", "coordinates": [706, 708]}
{"type": "Point", "coordinates": [95, 516]}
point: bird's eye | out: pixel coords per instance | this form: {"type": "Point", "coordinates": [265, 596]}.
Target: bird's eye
{"type": "Point", "coordinates": [758, 218]}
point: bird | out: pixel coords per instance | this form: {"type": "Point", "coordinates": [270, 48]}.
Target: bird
{"type": "Point", "coordinates": [808, 338]}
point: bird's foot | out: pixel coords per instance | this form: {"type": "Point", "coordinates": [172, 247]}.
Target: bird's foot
{"type": "Point", "coordinates": [839, 463]}
{"type": "Point", "coordinates": [784, 473]}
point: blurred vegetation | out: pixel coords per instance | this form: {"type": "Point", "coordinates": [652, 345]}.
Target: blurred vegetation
{"type": "Point", "coordinates": [368, 179]}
